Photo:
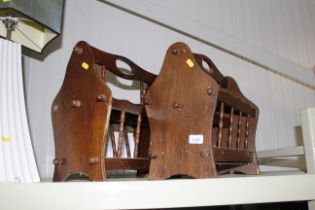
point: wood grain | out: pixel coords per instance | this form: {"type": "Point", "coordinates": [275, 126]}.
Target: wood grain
{"type": "Point", "coordinates": [80, 120]}
{"type": "Point", "coordinates": [186, 88]}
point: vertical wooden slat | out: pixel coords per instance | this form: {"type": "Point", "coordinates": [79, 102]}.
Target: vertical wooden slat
{"type": "Point", "coordinates": [239, 130]}
{"type": "Point", "coordinates": [103, 73]}
{"type": "Point", "coordinates": [142, 92]}
{"type": "Point", "coordinates": [127, 142]}
{"type": "Point", "coordinates": [231, 128]}
{"type": "Point", "coordinates": [121, 133]}
{"type": "Point", "coordinates": [113, 141]}
{"type": "Point", "coordinates": [220, 124]}
{"type": "Point", "coordinates": [246, 132]}
{"type": "Point", "coordinates": [137, 135]}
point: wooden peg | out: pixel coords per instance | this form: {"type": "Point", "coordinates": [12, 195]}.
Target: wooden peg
{"type": "Point", "coordinates": [75, 103]}
{"type": "Point", "coordinates": [59, 162]}
{"type": "Point", "coordinates": [93, 160]}
{"type": "Point", "coordinates": [100, 98]}
{"type": "Point", "coordinates": [78, 50]}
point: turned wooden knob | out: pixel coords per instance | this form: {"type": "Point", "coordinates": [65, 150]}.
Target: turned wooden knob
{"type": "Point", "coordinates": [147, 101]}
{"type": "Point", "coordinates": [55, 108]}
{"type": "Point", "coordinates": [209, 90]}
{"type": "Point", "coordinates": [177, 106]}
{"type": "Point", "coordinates": [176, 51]}
{"type": "Point", "coordinates": [101, 98]}
{"type": "Point", "coordinates": [58, 162]}
{"type": "Point", "coordinates": [76, 103]}
{"type": "Point", "coordinates": [78, 50]}
{"type": "Point", "coordinates": [93, 160]}
{"type": "Point", "coordinates": [204, 154]}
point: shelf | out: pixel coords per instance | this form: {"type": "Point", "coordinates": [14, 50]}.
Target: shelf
{"type": "Point", "coordinates": [159, 194]}
{"type": "Point", "coordinates": [283, 152]}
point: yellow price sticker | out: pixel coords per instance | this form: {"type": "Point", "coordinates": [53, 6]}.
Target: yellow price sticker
{"type": "Point", "coordinates": [5, 138]}
{"type": "Point", "coordinates": [190, 63]}
{"type": "Point", "coordinates": [85, 65]}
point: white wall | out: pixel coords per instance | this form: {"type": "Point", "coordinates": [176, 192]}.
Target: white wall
{"type": "Point", "coordinates": [284, 27]}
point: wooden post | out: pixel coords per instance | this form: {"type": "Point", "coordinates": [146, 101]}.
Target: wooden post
{"type": "Point", "coordinates": [220, 124]}
{"type": "Point", "coordinates": [246, 132]}
{"type": "Point", "coordinates": [113, 141]}
{"type": "Point", "coordinates": [127, 142]}
{"type": "Point", "coordinates": [231, 127]}
{"type": "Point", "coordinates": [239, 130]}
{"type": "Point", "coordinates": [121, 133]}
{"type": "Point", "coordinates": [137, 136]}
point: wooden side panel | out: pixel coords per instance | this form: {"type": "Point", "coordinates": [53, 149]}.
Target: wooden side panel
{"type": "Point", "coordinates": [180, 103]}
{"type": "Point", "coordinates": [80, 114]}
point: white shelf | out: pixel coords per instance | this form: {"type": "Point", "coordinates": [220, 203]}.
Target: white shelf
{"type": "Point", "coordinates": [158, 194]}
{"type": "Point", "coordinates": [227, 190]}
{"type": "Point", "coordinates": [143, 194]}
{"type": "Point", "coordinates": [283, 152]}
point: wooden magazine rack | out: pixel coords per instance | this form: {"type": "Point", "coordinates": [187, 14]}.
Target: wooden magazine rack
{"type": "Point", "coordinates": [191, 120]}
{"type": "Point", "coordinates": [84, 113]}
{"type": "Point", "coordinates": [201, 124]}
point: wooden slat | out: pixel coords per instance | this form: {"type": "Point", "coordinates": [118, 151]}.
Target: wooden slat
{"type": "Point", "coordinates": [238, 104]}
{"type": "Point", "coordinates": [231, 128]}
{"type": "Point", "coordinates": [130, 119]}
{"type": "Point", "coordinates": [239, 130]}
{"type": "Point", "coordinates": [121, 133]}
{"type": "Point", "coordinates": [228, 155]}
{"type": "Point", "coordinates": [126, 105]}
{"type": "Point", "coordinates": [127, 142]}
{"type": "Point", "coordinates": [220, 125]}
{"type": "Point", "coordinates": [246, 132]}
{"type": "Point", "coordinates": [137, 136]}
{"type": "Point", "coordinates": [112, 138]}
{"type": "Point", "coordinates": [127, 163]}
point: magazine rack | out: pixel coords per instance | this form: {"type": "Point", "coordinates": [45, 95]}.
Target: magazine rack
{"type": "Point", "coordinates": [84, 111]}
{"type": "Point", "coordinates": [190, 121]}
{"type": "Point", "coordinates": [201, 124]}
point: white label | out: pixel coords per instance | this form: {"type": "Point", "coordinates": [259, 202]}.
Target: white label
{"type": "Point", "coordinates": [195, 139]}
